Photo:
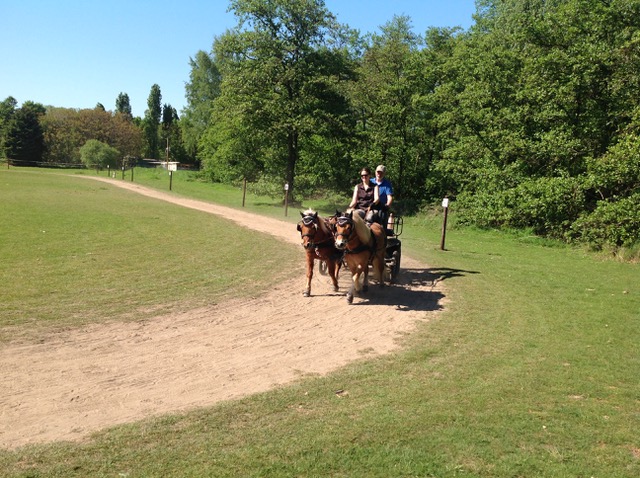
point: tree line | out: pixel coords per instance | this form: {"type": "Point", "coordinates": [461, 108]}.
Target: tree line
{"type": "Point", "coordinates": [38, 135]}
{"type": "Point", "coordinates": [528, 119]}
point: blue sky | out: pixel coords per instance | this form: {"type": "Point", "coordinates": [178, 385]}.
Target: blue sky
{"type": "Point", "coordinates": [77, 53]}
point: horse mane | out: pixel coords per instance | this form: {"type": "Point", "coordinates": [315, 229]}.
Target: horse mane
{"type": "Point", "coordinates": [363, 231]}
{"type": "Point", "coordinates": [321, 223]}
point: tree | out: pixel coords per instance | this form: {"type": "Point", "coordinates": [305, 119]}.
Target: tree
{"type": "Point", "coordinates": [66, 130]}
{"type": "Point", "coordinates": [25, 140]}
{"type": "Point", "coordinates": [151, 122]}
{"type": "Point", "coordinates": [541, 115]}
{"type": "Point", "coordinates": [95, 154]}
{"type": "Point", "coordinates": [391, 78]}
{"type": "Point", "coordinates": [123, 105]}
{"type": "Point", "coordinates": [7, 110]}
{"type": "Point", "coordinates": [171, 134]}
{"type": "Point", "coordinates": [202, 89]}
{"type": "Point", "coordinates": [277, 79]}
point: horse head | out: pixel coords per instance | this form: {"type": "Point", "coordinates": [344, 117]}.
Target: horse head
{"type": "Point", "coordinates": [308, 227]}
{"type": "Point", "coordinates": [344, 229]}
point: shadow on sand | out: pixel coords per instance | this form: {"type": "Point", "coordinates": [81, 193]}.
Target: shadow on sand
{"type": "Point", "coordinates": [414, 290]}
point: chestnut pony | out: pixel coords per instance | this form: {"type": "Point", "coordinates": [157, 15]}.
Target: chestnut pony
{"type": "Point", "coordinates": [318, 244]}
{"type": "Point", "coordinates": [362, 245]}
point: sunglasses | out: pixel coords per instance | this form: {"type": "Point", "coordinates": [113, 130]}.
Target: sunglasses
{"type": "Point", "coordinates": [364, 175]}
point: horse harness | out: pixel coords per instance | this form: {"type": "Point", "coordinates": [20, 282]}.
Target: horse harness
{"type": "Point", "coordinates": [309, 221]}
{"type": "Point", "coordinates": [342, 222]}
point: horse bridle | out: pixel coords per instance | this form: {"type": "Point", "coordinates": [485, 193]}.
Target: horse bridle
{"type": "Point", "coordinates": [309, 221]}
{"type": "Point", "coordinates": [342, 222]}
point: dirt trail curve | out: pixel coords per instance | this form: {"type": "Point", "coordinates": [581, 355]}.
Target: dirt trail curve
{"type": "Point", "coordinates": [70, 384]}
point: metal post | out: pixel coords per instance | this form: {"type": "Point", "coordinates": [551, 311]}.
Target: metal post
{"type": "Point", "coordinates": [170, 179]}
{"type": "Point", "coordinates": [286, 199]}
{"type": "Point", "coordinates": [445, 206]}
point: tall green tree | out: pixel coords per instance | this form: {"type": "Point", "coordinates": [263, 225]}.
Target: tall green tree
{"type": "Point", "coordinates": [123, 105]}
{"type": "Point", "coordinates": [280, 78]}
{"type": "Point", "coordinates": [151, 123]}
{"type": "Point", "coordinates": [390, 80]}
{"type": "Point", "coordinates": [171, 136]}
{"type": "Point", "coordinates": [7, 110]}
{"type": "Point", "coordinates": [25, 140]}
{"type": "Point", "coordinates": [202, 89]}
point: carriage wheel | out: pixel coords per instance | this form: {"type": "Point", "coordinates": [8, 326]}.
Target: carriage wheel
{"type": "Point", "coordinates": [323, 268]}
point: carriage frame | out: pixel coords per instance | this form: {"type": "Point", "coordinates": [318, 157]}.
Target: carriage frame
{"type": "Point", "coordinates": [393, 252]}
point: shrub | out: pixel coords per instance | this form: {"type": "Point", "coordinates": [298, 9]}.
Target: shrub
{"type": "Point", "coordinates": [614, 223]}
{"type": "Point", "coordinates": [94, 153]}
{"type": "Point", "coordinates": [547, 206]}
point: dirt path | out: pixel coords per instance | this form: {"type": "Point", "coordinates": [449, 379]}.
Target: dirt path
{"type": "Point", "coordinates": [70, 384]}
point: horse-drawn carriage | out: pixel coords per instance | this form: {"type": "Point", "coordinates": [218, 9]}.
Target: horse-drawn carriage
{"type": "Point", "coordinates": [393, 250]}
{"type": "Point", "coordinates": [347, 239]}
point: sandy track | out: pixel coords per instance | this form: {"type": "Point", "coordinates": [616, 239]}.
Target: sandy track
{"type": "Point", "coordinates": [70, 384]}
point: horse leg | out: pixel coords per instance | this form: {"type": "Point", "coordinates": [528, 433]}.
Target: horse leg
{"type": "Point", "coordinates": [333, 272]}
{"type": "Point", "coordinates": [365, 280]}
{"type": "Point", "coordinates": [310, 262]}
{"type": "Point", "coordinates": [354, 282]}
{"type": "Point", "coordinates": [350, 295]}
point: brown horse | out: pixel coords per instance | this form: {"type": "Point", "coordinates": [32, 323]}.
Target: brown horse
{"type": "Point", "coordinates": [362, 245]}
{"type": "Point", "coordinates": [317, 241]}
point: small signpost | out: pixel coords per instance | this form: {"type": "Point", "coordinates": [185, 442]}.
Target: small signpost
{"type": "Point", "coordinates": [171, 167]}
{"type": "Point", "coordinates": [445, 206]}
{"type": "Point", "coordinates": [286, 198]}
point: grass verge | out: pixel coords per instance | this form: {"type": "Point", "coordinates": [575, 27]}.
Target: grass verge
{"type": "Point", "coordinates": [79, 251]}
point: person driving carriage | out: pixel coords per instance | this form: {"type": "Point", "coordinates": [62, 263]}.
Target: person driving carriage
{"type": "Point", "coordinates": [385, 194]}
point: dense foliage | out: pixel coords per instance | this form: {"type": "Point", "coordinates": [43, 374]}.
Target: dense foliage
{"type": "Point", "coordinates": [66, 130]}
{"type": "Point", "coordinates": [529, 119]}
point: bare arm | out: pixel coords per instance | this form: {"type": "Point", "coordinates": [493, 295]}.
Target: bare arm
{"type": "Point", "coordinates": [354, 199]}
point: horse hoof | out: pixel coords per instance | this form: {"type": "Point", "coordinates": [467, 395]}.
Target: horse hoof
{"type": "Point", "coordinates": [350, 298]}
{"type": "Point", "coordinates": [306, 293]}
{"type": "Point", "coordinates": [336, 288]}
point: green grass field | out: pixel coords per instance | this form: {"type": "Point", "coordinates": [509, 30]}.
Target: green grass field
{"type": "Point", "coordinates": [531, 371]}
{"type": "Point", "coordinates": [85, 251]}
